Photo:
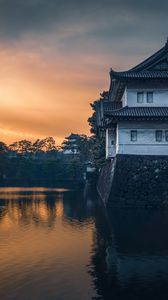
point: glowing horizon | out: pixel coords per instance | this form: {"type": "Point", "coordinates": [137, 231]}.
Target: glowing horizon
{"type": "Point", "coordinates": [55, 59]}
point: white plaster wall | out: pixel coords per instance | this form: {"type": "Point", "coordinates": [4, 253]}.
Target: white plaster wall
{"type": "Point", "coordinates": [110, 148]}
{"type": "Point", "coordinates": [160, 98]}
{"type": "Point", "coordinates": [124, 97]}
{"type": "Point", "coordinates": [146, 142]}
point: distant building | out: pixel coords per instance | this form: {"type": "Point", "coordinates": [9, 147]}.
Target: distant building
{"type": "Point", "coordinates": [135, 115]}
{"type": "Point", "coordinates": [70, 145]}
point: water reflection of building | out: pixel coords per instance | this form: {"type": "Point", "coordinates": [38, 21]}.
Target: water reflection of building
{"type": "Point", "coordinates": [131, 262]}
{"type": "Point", "coordinates": [77, 209]}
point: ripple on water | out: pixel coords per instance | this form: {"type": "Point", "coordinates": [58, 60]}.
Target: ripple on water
{"type": "Point", "coordinates": [44, 251]}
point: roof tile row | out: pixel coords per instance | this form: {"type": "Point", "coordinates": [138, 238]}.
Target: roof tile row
{"type": "Point", "coordinates": [143, 74]}
{"type": "Point", "coordinates": [138, 112]}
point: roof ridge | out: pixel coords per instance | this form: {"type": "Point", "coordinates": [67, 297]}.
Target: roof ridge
{"type": "Point", "coordinates": [147, 61]}
{"type": "Point", "coordinates": [150, 58]}
{"type": "Point", "coordinates": [140, 74]}
{"type": "Point", "coordinates": [166, 44]}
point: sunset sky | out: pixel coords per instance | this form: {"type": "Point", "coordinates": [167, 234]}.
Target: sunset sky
{"type": "Point", "coordinates": [55, 57]}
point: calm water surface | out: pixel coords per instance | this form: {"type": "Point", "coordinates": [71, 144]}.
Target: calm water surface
{"type": "Point", "coordinates": [56, 244]}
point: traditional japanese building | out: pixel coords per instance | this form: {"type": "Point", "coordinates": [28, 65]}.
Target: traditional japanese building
{"type": "Point", "coordinates": [135, 114]}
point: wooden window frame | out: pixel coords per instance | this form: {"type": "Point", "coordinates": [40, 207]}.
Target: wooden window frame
{"type": "Point", "coordinates": [159, 140]}
{"type": "Point", "coordinates": [138, 100]}
{"type": "Point", "coordinates": [147, 97]}
{"type": "Point", "coordinates": [133, 135]}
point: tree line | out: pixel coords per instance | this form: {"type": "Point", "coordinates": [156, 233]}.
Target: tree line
{"type": "Point", "coordinates": [47, 148]}
{"type": "Point", "coordinates": [43, 162]}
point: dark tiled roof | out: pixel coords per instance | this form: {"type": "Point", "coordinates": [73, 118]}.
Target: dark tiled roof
{"type": "Point", "coordinates": [143, 74]}
{"type": "Point", "coordinates": [154, 67]}
{"type": "Point", "coordinates": [112, 105]}
{"type": "Point", "coordinates": [138, 113]}
{"type": "Point", "coordinates": [151, 60]}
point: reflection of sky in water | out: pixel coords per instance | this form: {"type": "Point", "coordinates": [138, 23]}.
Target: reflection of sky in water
{"type": "Point", "coordinates": [42, 255]}
{"type": "Point", "coordinates": [55, 244]}
{"type": "Point", "coordinates": [31, 189]}
{"type": "Point", "coordinates": [33, 192]}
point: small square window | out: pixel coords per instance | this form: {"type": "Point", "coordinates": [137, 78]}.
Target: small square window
{"type": "Point", "coordinates": [166, 135]}
{"type": "Point", "coordinates": [159, 135]}
{"type": "Point", "coordinates": [140, 97]}
{"type": "Point", "coordinates": [149, 97]}
{"type": "Point", "coordinates": [133, 135]}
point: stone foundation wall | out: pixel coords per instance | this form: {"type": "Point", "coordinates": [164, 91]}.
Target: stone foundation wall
{"type": "Point", "coordinates": [105, 180]}
{"type": "Point", "coordinates": [137, 181]}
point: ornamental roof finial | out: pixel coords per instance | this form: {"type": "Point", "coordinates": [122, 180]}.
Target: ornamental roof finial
{"type": "Point", "coordinates": [166, 45]}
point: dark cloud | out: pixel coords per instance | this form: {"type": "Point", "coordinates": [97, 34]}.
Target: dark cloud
{"type": "Point", "coordinates": [20, 16]}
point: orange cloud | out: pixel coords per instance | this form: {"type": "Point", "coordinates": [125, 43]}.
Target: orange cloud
{"type": "Point", "coordinates": [46, 91]}
{"type": "Point", "coordinates": [43, 98]}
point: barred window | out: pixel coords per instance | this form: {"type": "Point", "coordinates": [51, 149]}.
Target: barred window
{"type": "Point", "coordinates": [140, 97]}
{"type": "Point", "coordinates": [133, 135]}
{"type": "Point", "coordinates": [149, 97]}
{"type": "Point", "coordinates": [159, 135]}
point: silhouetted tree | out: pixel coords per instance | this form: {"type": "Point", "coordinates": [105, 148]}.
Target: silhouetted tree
{"type": "Point", "coordinates": [45, 145]}
{"type": "Point", "coordinates": [84, 144]}
{"type": "Point", "coordinates": [98, 138]}
{"type": "Point", "coordinates": [3, 148]}
{"type": "Point", "coordinates": [22, 147]}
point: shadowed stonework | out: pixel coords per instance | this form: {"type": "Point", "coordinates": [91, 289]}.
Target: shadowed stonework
{"type": "Point", "coordinates": [137, 181]}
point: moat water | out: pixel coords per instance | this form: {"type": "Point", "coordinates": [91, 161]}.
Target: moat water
{"type": "Point", "coordinates": [56, 244]}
